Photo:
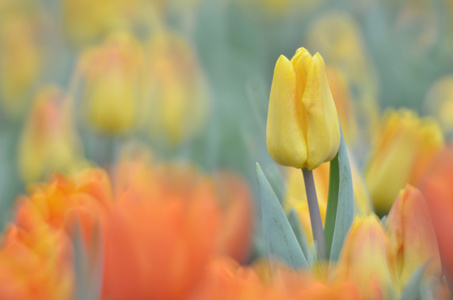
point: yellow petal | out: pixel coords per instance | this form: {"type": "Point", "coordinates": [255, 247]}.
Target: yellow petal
{"type": "Point", "coordinates": [323, 131]}
{"type": "Point", "coordinates": [285, 139]}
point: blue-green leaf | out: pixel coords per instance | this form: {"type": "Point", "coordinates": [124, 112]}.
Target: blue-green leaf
{"type": "Point", "coordinates": [340, 205]}
{"type": "Point", "coordinates": [298, 231]}
{"type": "Point", "coordinates": [281, 242]}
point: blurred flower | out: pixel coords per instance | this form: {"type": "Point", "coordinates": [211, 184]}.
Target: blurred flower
{"type": "Point", "coordinates": [343, 102]}
{"type": "Point", "coordinates": [367, 259]}
{"type": "Point", "coordinates": [231, 194]}
{"type": "Point", "coordinates": [436, 187]}
{"type": "Point", "coordinates": [49, 141]}
{"type": "Point", "coordinates": [296, 197]}
{"type": "Point", "coordinates": [64, 202]}
{"type": "Point", "coordinates": [35, 265]}
{"type": "Point", "coordinates": [302, 124]}
{"type": "Point", "coordinates": [338, 37]}
{"type": "Point", "coordinates": [403, 147]}
{"type": "Point", "coordinates": [20, 60]}
{"type": "Point", "coordinates": [86, 22]}
{"type": "Point", "coordinates": [226, 279]}
{"type": "Point", "coordinates": [177, 104]}
{"type": "Point", "coordinates": [412, 235]}
{"type": "Point", "coordinates": [113, 83]}
{"type": "Point", "coordinates": [236, 232]}
{"type": "Point", "coordinates": [439, 102]}
{"type": "Point", "coordinates": [158, 245]}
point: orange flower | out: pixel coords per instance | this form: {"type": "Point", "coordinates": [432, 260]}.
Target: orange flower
{"type": "Point", "coordinates": [227, 280]}
{"type": "Point", "coordinates": [412, 235]}
{"type": "Point", "coordinates": [158, 246]}
{"type": "Point", "coordinates": [35, 265]}
{"type": "Point", "coordinates": [139, 179]}
{"type": "Point", "coordinates": [436, 187]}
{"type": "Point", "coordinates": [235, 236]}
{"type": "Point", "coordinates": [64, 201]}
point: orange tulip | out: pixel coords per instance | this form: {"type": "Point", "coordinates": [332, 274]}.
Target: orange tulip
{"type": "Point", "coordinates": [86, 198]}
{"type": "Point", "coordinates": [412, 235]}
{"type": "Point", "coordinates": [138, 178]}
{"type": "Point", "coordinates": [436, 187]}
{"type": "Point", "coordinates": [158, 246]}
{"type": "Point", "coordinates": [227, 280]}
{"type": "Point", "coordinates": [35, 265]}
{"type": "Point", "coordinates": [235, 236]}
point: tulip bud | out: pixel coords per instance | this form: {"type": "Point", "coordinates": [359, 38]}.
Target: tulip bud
{"type": "Point", "coordinates": [439, 102]}
{"type": "Point", "coordinates": [367, 259]}
{"type": "Point", "coordinates": [113, 83]}
{"type": "Point", "coordinates": [178, 102]}
{"type": "Point", "coordinates": [302, 124]}
{"type": "Point", "coordinates": [49, 141]}
{"type": "Point", "coordinates": [412, 235]}
{"type": "Point", "coordinates": [402, 149]}
{"type": "Point", "coordinates": [19, 62]}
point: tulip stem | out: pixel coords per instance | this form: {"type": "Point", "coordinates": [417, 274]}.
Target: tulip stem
{"type": "Point", "coordinates": [315, 215]}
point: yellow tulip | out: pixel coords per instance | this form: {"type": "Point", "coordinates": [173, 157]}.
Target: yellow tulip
{"type": "Point", "coordinates": [49, 141]}
{"type": "Point", "coordinates": [20, 61]}
{"type": "Point", "coordinates": [412, 236]}
{"type": "Point", "coordinates": [439, 102]}
{"type": "Point", "coordinates": [367, 259]}
{"type": "Point", "coordinates": [302, 124]}
{"type": "Point", "coordinates": [114, 83]}
{"type": "Point", "coordinates": [177, 104]}
{"type": "Point", "coordinates": [402, 150]}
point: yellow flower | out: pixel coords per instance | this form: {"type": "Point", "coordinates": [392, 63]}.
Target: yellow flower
{"type": "Point", "coordinates": [367, 258]}
{"type": "Point", "coordinates": [86, 21]}
{"type": "Point", "coordinates": [114, 83]}
{"type": "Point", "coordinates": [412, 236]}
{"type": "Point", "coordinates": [439, 101]}
{"type": "Point", "coordinates": [49, 141]}
{"type": "Point", "coordinates": [402, 149]}
{"type": "Point", "coordinates": [302, 123]}
{"type": "Point", "coordinates": [20, 61]}
{"type": "Point", "coordinates": [178, 102]}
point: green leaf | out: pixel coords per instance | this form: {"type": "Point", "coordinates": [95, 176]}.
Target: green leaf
{"type": "Point", "coordinates": [298, 231]}
{"type": "Point", "coordinates": [281, 242]}
{"type": "Point", "coordinates": [340, 204]}
{"type": "Point", "coordinates": [411, 290]}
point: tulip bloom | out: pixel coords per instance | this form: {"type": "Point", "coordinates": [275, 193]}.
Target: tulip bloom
{"type": "Point", "coordinates": [20, 60]}
{"type": "Point", "coordinates": [367, 258]}
{"type": "Point", "coordinates": [302, 123]}
{"type": "Point", "coordinates": [412, 235]}
{"type": "Point", "coordinates": [177, 104]}
{"type": "Point", "coordinates": [113, 83]}
{"type": "Point", "coordinates": [35, 265]}
{"type": "Point", "coordinates": [436, 186]}
{"type": "Point", "coordinates": [49, 141]}
{"type": "Point", "coordinates": [403, 148]}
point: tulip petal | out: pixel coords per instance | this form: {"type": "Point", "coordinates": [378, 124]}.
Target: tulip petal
{"type": "Point", "coordinates": [323, 132]}
{"type": "Point", "coordinates": [284, 134]}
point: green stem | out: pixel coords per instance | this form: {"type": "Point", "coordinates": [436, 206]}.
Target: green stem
{"type": "Point", "coordinates": [315, 215]}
